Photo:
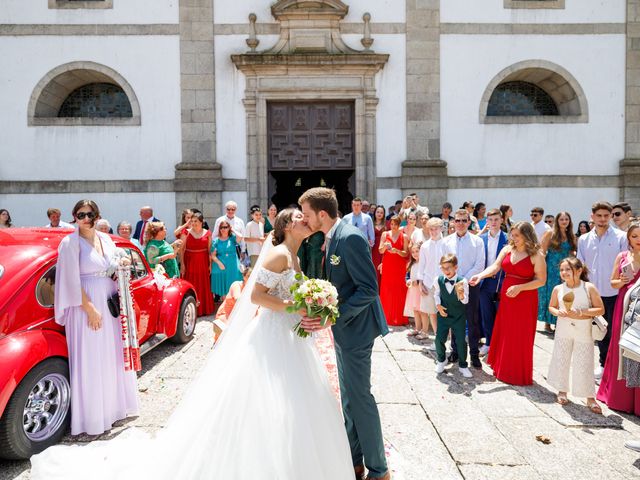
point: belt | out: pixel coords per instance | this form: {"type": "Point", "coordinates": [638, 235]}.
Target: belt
{"type": "Point", "coordinates": [96, 274]}
{"type": "Point", "coordinates": [195, 251]}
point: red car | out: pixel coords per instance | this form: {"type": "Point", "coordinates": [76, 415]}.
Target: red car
{"type": "Point", "coordinates": [34, 374]}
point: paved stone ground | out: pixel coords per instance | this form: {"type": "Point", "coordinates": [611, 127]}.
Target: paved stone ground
{"type": "Point", "coordinates": [439, 427]}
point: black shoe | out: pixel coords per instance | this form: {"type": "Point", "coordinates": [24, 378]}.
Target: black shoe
{"type": "Point", "coordinates": [475, 361]}
{"type": "Point", "coordinates": [453, 357]}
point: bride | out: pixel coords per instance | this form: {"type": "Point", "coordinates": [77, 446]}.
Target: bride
{"type": "Point", "coordinates": [261, 408]}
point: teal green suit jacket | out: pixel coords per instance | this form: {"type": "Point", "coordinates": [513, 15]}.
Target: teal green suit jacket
{"type": "Point", "coordinates": [350, 268]}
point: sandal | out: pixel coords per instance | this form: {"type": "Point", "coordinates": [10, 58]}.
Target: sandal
{"type": "Point", "coordinates": [547, 328]}
{"type": "Point", "coordinates": [562, 399]}
{"type": "Point", "coordinates": [413, 333]}
{"type": "Point", "coordinates": [594, 407]}
{"type": "Point", "coordinates": [421, 336]}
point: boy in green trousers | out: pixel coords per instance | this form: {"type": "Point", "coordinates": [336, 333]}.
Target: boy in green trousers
{"type": "Point", "coordinates": [451, 295]}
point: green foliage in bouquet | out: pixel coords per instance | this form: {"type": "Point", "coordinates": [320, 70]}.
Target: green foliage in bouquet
{"type": "Point", "coordinates": [318, 297]}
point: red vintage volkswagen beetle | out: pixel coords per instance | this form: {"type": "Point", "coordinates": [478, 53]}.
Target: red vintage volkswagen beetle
{"type": "Point", "coordinates": [34, 375]}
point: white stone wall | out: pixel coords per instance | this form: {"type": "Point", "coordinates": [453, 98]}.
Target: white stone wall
{"type": "Point", "coordinates": [150, 64]}
{"type": "Point", "coordinates": [123, 12]}
{"type": "Point", "coordinates": [576, 201]}
{"type": "Point", "coordinates": [470, 62]}
{"type": "Point", "coordinates": [31, 210]}
{"type": "Point", "coordinates": [493, 11]}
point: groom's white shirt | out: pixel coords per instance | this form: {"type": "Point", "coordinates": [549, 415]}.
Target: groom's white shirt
{"type": "Point", "coordinates": [329, 236]}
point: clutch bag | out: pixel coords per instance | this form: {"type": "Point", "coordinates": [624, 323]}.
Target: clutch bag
{"type": "Point", "coordinates": [630, 342]}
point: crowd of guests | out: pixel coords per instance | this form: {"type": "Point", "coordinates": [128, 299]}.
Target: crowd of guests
{"type": "Point", "coordinates": [471, 277]}
{"type": "Point", "coordinates": [478, 278]}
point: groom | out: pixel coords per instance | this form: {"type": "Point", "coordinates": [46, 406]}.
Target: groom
{"type": "Point", "coordinates": [349, 267]}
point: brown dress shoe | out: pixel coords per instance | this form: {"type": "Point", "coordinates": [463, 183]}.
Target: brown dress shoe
{"type": "Point", "coordinates": [359, 471]}
{"type": "Point", "coordinates": [386, 476]}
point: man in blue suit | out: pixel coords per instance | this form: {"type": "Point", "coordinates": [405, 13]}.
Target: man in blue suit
{"type": "Point", "coordinates": [146, 216]}
{"type": "Point", "coordinates": [349, 267]}
{"type": "Point", "coordinates": [494, 239]}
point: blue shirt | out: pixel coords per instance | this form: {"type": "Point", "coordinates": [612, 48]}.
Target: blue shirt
{"type": "Point", "coordinates": [364, 223]}
{"type": "Point", "coordinates": [599, 255]}
{"type": "Point", "coordinates": [470, 252]}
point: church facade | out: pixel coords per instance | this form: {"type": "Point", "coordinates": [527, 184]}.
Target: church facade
{"type": "Point", "coordinates": [190, 103]}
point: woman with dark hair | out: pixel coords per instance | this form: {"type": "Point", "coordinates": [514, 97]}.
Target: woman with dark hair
{"type": "Point", "coordinates": [185, 222]}
{"type": "Point", "coordinates": [379, 226]}
{"type": "Point", "coordinates": [158, 251]}
{"type": "Point", "coordinates": [195, 266]}
{"type": "Point", "coordinates": [507, 213]}
{"type": "Point", "coordinates": [583, 228]}
{"type": "Point", "coordinates": [625, 277]}
{"type": "Point", "coordinates": [394, 248]}
{"type": "Point", "coordinates": [556, 244]}
{"type": "Point", "coordinates": [270, 219]}
{"type": "Point", "coordinates": [480, 212]}
{"type": "Point", "coordinates": [5, 218]}
{"type": "Point", "coordinates": [473, 221]}
{"type": "Point", "coordinates": [575, 302]}
{"type": "Point", "coordinates": [102, 392]}
{"type": "Point", "coordinates": [514, 331]}
{"type": "Point", "coordinates": [225, 265]}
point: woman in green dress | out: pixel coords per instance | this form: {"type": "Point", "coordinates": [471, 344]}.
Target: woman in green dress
{"type": "Point", "coordinates": [157, 250]}
{"type": "Point", "coordinates": [270, 219]}
{"type": "Point", "coordinates": [225, 264]}
{"type": "Point", "coordinates": [557, 244]}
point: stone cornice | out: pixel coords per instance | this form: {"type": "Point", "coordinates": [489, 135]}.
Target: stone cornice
{"type": "Point", "coordinates": [18, 30]}
{"type": "Point", "coordinates": [250, 63]}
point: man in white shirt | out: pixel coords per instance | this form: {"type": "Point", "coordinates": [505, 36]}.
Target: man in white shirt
{"type": "Point", "coordinates": [469, 250]}
{"type": "Point", "coordinates": [236, 222]}
{"type": "Point", "coordinates": [598, 250]}
{"type": "Point", "coordinates": [54, 215]}
{"type": "Point", "coordinates": [537, 215]}
{"type": "Point", "coordinates": [361, 220]}
{"type": "Point", "coordinates": [621, 216]}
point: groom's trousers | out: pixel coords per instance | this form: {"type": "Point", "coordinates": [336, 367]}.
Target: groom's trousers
{"type": "Point", "coordinates": [361, 417]}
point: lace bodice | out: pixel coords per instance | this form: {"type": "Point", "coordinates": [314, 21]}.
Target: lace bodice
{"type": "Point", "coordinates": [277, 283]}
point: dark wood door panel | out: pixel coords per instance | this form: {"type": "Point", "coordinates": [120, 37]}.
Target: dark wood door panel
{"type": "Point", "coordinates": [311, 136]}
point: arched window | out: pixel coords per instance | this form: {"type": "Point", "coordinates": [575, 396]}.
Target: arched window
{"type": "Point", "coordinates": [83, 93]}
{"type": "Point", "coordinates": [520, 99]}
{"type": "Point", "coordinates": [97, 100]}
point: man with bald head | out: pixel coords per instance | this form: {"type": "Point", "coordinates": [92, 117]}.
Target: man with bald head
{"type": "Point", "coordinates": [146, 216]}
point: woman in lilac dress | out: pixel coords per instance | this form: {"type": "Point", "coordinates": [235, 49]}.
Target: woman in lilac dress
{"type": "Point", "coordinates": [102, 392]}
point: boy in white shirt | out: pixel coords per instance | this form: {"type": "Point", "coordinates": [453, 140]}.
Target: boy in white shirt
{"type": "Point", "coordinates": [254, 235]}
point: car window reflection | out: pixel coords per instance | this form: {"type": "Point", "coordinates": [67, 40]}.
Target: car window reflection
{"type": "Point", "coordinates": [46, 287]}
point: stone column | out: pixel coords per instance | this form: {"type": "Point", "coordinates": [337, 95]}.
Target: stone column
{"type": "Point", "coordinates": [198, 179]}
{"type": "Point", "coordinates": [423, 171]}
{"type": "Point", "coordinates": [630, 166]}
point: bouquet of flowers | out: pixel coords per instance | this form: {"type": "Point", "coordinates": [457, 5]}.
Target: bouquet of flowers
{"type": "Point", "coordinates": [318, 297]}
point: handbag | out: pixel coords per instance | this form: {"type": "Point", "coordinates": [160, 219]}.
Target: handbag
{"type": "Point", "coordinates": [598, 323]}
{"type": "Point", "coordinates": [113, 302]}
{"type": "Point", "coordinates": [630, 339]}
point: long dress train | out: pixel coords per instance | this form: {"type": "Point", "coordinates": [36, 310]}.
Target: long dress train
{"type": "Point", "coordinates": [261, 408]}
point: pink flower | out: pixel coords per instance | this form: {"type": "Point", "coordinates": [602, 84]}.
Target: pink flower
{"type": "Point", "coordinates": [309, 300]}
{"type": "Point", "coordinates": [321, 301]}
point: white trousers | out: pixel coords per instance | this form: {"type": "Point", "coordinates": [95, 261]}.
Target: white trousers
{"type": "Point", "coordinates": [573, 349]}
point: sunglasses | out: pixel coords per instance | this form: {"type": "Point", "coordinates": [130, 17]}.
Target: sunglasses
{"type": "Point", "coordinates": [231, 209]}
{"type": "Point", "coordinates": [535, 214]}
{"type": "Point", "coordinates": [617, 214]}
{"type": "Point", "coordinates": [89, 215]}
{"type": "Point", "coordinates": [458, 220]}
{"type": "Point", "coordinates": [224, 228]}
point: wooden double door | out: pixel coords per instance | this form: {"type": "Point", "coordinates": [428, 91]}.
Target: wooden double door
{"type": "Point", "coordinates": [310, 144]}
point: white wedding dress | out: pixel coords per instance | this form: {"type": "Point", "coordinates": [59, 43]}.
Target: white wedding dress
{"type": "Point", "coordinates": [261, 408]}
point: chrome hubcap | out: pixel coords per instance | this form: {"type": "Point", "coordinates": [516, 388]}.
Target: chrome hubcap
{"type": "Point", "coordinates": [189, 318]}
{"type": "Point", "coordinates": [46, 407]}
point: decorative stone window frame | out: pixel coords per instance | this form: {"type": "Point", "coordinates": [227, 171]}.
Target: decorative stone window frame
{"type": "Point", "coordinates": [534, 4]}
{"type": "Point", "coordinates": [52, 90]}
{"type": "Point", "coordinates": [555, 80]}
{"type": "Point", "coordinates": [70, 4]}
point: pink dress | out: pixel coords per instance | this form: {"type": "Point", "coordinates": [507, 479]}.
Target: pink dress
{"type": "Point", "coordinates": [613, 392]}
{"type": "Point", "coordinates": [102, 392]}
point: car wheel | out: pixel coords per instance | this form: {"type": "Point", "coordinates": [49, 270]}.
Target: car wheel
{"type": "Point", "coordinates": [186, 320]}
{"type": "Point", "coordinates": [37, 415]}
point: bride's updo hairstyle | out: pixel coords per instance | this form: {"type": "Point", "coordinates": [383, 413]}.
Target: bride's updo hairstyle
{"type": "Point", "coordinates": [282, 220]}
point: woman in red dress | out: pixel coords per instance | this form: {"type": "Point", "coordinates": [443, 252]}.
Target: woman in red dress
{"type": "Point", "coordinates": [626, 272]}
{"type": "Point", "coordinates": [511, 353]}
{"type": "Point", "coordinates": [195, 266]}
{"type": "Point", "coordinates": [394, 247]}
{"type": "Point", "coordinates": [379, 226]}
